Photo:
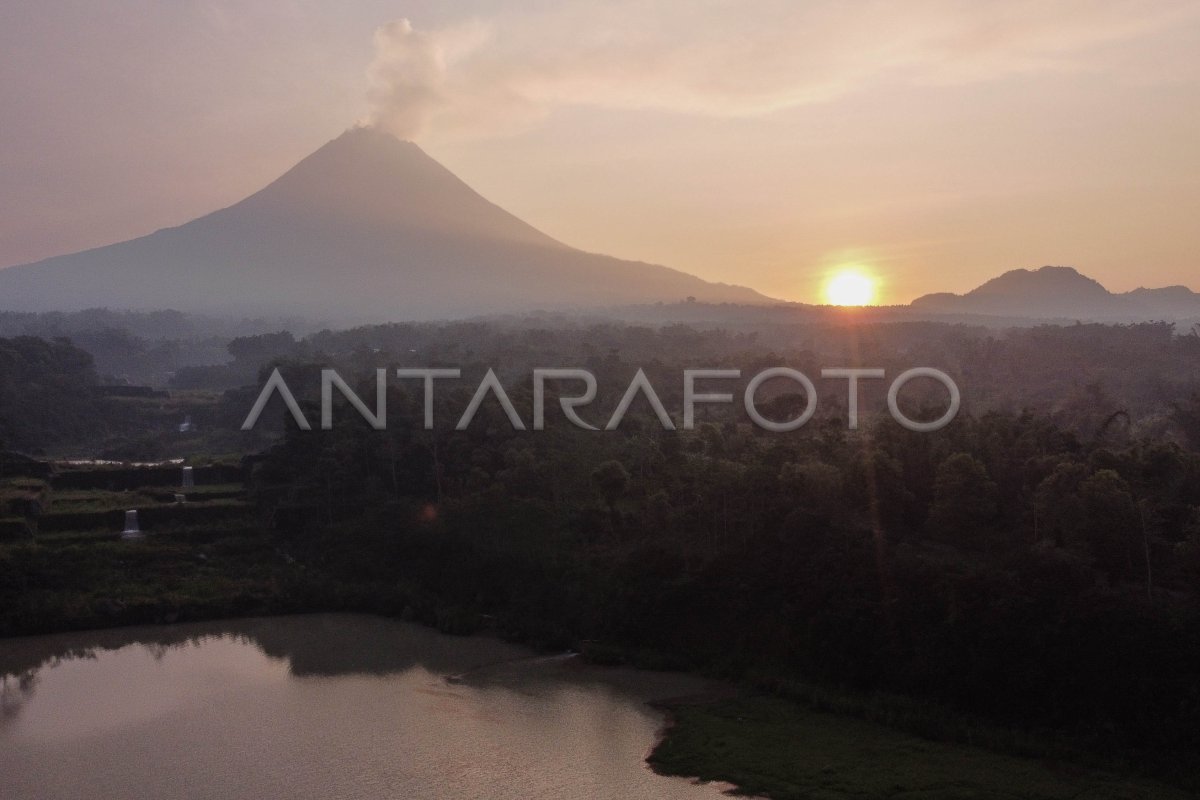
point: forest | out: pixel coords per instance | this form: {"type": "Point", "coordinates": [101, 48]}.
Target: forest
{"type": "Point", "coordinates": [1035, 564]}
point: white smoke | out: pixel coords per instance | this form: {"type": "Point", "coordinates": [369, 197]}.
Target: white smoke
{"type": "Point", "coordinates": [411, 75]}
{"type": "Point", "coordinates": [407, 79]}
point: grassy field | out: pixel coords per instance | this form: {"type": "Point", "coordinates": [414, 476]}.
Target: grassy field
{"type": "Point", "coordinates": [83, 579]}
{"type": "Point", "coordinates": [99, 500]}
{"type": "Point", "coordinates": [204, 559]}
{"type": "Point", "coordinates": [780, 749]}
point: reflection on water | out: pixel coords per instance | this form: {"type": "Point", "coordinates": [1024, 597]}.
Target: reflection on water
{"type": "Point", "coordinates": [322, 706]}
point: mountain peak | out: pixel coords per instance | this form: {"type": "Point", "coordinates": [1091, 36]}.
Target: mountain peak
{"type": "Point", "coordinates": [372, 179]}
{"type": "Point", "coordinates": [365, 144]}
{"type": "Point", "coordinates": [371, 134]}
{"type": "Point", "coordinates": [366, 228]}
{"type": "Point", "coordinates": [1057, 281]}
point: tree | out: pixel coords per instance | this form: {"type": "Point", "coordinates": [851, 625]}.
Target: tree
{"type": "Point", "coordinates": [612, 480]}
{"type": "Point", "coordinates": [1111, 523]}
{"type": "Point", "coordinates": [1187, 417]}
{"type": "Point", "coordinates": [964, 496]}
{"type": "Point", "coordinates": [1057, 508]}
{"type": "Point", "coordinates": [263, 347]}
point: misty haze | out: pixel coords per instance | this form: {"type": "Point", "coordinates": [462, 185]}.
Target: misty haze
{"type": "Point", "coordinates": [594, 401]}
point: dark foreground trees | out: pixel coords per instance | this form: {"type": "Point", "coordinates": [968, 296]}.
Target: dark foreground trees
{"type": "Point", "coordinates": [1000, 566]}
{"type": "Point", "coordinates": [45, 395]}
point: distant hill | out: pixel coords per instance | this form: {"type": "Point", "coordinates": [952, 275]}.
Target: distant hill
{"type": "Point", "coordinates": [367, 228]}
{"type": "Point", "coordinates": [1062, 293]}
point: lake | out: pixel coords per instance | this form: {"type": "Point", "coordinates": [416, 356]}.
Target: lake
{"type": "Point", "coordinates": [323, 706]}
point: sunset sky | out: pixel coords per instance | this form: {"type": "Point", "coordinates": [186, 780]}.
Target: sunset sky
{"type": "Point", "coordinates": [933, 144]}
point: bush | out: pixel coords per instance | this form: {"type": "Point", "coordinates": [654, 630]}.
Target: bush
{"type": "Point", "coordinates": [15, 529]}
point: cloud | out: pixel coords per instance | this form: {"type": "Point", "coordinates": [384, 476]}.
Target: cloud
{"type": "Point", "coordinates": [725, 59]}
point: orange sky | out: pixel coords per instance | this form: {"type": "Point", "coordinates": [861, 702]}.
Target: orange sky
{"type": "Point", "coordinates": [763, 143]}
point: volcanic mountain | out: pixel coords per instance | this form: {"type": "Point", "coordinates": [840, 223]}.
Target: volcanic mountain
{"type": "Point", "coordinates": [367, 228]}
{"type": "Point", "coordinates": [1056, 293]}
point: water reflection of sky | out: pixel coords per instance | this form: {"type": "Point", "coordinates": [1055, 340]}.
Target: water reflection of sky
{"type": "Point", "coordinates": [323, 706]}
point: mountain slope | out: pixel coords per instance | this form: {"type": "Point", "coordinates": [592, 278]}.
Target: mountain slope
{"type": "Point", "coordinates": [366, 228]}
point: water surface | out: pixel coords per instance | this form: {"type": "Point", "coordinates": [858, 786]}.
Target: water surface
{"type": "Point", "coordinates": [323, 707]}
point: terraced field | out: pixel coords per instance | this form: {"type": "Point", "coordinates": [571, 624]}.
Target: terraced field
{"type": "Point", "coordinates": [64, 565]}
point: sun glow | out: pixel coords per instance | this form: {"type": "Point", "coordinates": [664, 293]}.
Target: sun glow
{"type": "Point", "coordinates": [850, 287]}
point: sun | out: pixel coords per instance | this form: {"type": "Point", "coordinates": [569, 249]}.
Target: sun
{"type": "Point", "coordinates": [850, 287]}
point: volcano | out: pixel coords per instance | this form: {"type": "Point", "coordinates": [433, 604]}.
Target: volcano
{"type": "Point", "coordinates": [367, 228]}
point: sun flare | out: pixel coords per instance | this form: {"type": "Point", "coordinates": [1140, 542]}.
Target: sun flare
{"type": "Point", "coordinates": [850, 287]}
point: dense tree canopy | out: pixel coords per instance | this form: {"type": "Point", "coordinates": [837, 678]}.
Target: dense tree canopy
{"type": "Point", "coordinates": [44, 392]}
{"type": "Point", "coordinates": [1036, 566]}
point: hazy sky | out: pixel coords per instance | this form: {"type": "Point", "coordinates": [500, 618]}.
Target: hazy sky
{"type": "Point", "coordinates": [934, 142]}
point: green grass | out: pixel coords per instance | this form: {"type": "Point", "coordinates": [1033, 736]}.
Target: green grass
{"type": "Point", "coordinates": [102, 500]}
{"type": "Point", "coordinates": [79, 580]}
{"type": "Point", "coordinates": [777, 748]}
{"type": "Point", "coordinates": [207, 558]}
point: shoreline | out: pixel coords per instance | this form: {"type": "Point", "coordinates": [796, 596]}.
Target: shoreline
{"type": "Point", "coordinates": [235, 570]}
{"type": "Point", "coordinates": [726, 714]}
{"type": "Point", "coordinates": [769, 747]}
